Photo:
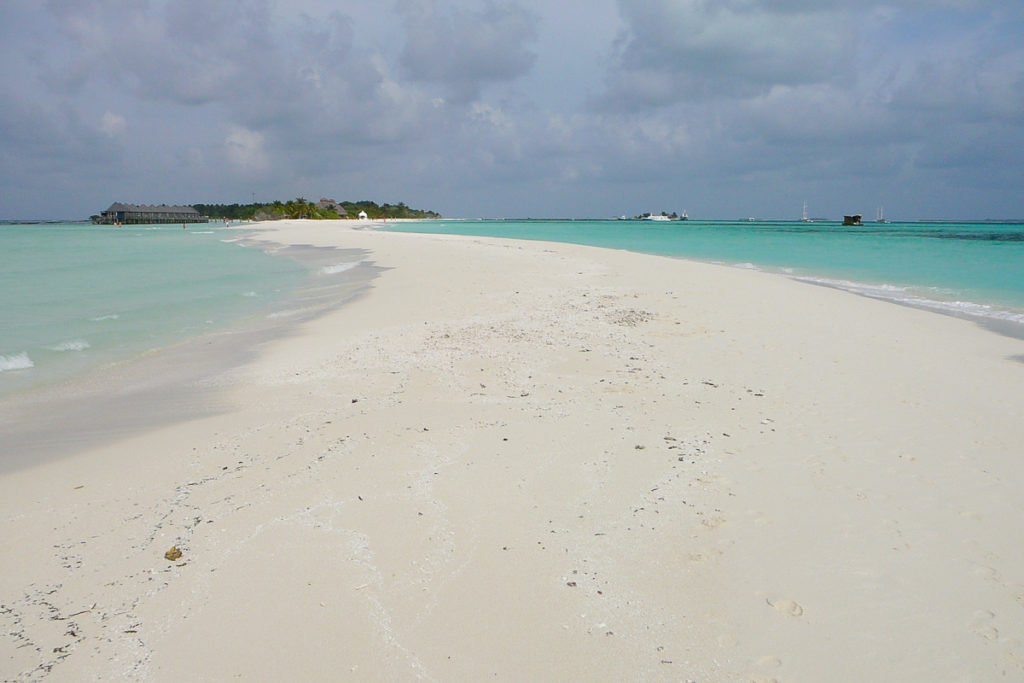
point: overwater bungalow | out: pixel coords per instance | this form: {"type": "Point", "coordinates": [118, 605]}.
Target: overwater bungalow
{"type": "Point", "coordinates": [125, 214]}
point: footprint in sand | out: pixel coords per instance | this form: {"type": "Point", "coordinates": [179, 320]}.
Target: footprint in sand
{"type": "Point", "coordinates": [982, 626]}
{"type": "Point", "coordinates": [988, 573]}
{"type": "Point", "coordinates": [787, 607]}
{"type": "Point", "coordinates": [987, 632]}
{"type": "Point", "coordinates": [726, 640]}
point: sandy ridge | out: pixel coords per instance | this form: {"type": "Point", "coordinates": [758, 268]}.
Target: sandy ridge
{"type": "Point", "coordinates": [542, 461]}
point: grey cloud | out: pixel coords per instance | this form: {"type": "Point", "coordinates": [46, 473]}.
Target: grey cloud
{"type": "Point", "coordinates": [966, 86]}
{"type": "Point", "coordinates": [47, 156]}
{"type": "Point", "coordinates": [766, 81]}
{"type": "Point", "coordinates": [298, 80]}
{"type": "Point", "coordinates": [681, 51]}
{"type": "Point", "coordinates": [190, 52]}
{"type": "Point", "coordinates": [195, 52]}
{"type": "Point", "coordinates": [37, 137]}
{"type": "Point", "coordinates": [465, 50]}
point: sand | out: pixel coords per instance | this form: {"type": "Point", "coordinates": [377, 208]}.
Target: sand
{"type": "Point", "coordinates": [529, 461]}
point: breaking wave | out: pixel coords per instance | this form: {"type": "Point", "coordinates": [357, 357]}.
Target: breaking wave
{"type": "Point", "coordinates": [18, 361]}
{"type": "Point", "coordinates": [909, 297]}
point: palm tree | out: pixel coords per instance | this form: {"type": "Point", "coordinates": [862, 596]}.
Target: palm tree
{"type": "Point", "coordinates": [298, 208]}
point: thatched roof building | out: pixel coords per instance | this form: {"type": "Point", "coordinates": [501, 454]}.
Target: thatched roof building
{"type": "Point", "coordinates": [332, 205]}
{"type": "Point", "coordinates": [134, 214]}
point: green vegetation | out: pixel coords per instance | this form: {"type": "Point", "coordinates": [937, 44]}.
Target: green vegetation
{"type": "Point", "coordinates": [399, 210]}
{"type": "Point", "coordinates": [301, 207]}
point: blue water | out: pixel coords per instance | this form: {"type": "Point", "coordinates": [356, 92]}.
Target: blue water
{"type": "Point", "coordinates": [74, 297]}
{"type": "Point", "coordinates": [969, 269]}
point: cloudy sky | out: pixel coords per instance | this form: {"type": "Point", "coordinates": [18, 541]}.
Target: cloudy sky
{"type": "Point", "coordinates": [545, 108]}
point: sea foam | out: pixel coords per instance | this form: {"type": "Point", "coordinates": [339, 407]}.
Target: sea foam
{"type": "Point", "coordinates": [18, 361]}
{"type": "Point", "coordinates": [338, 268]}
{"type": "Point", "coordinates": [70, 345]}
{"type": "Point", "coordinates": [909, 297]}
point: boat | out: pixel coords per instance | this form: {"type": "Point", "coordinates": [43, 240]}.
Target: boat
{"type": "Point", "coordinates": [662, 217]}
{"type": "Point", "coordinates": [880, 215]}
{"type": "Point", "coordinates": [852, 220]}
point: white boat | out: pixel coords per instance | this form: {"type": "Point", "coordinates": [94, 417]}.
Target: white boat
{"type": "Point", "coordinates": [657, 217]}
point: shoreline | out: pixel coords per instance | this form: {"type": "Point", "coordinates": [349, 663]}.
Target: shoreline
{"type": "Point", "coordinates": [993, 312]}
{"type": "Point", "coordinates": [540, 460]}
{"type": "Point", "coordinates": [171, 383]}
{"type": "Point", "coordinates": [998, 325]}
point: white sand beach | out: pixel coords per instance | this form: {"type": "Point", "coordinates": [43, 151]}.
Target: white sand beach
{"type": "Point", "coordinates": [529, 461]}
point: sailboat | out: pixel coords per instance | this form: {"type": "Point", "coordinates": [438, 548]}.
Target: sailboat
{"type": "Point", "coordinates": [880, 215]}
{"type": "Point", "coordinates": [803, 217]}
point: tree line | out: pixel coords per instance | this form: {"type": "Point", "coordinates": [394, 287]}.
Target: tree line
{"type": "Point", "coordinates": [300, 207]}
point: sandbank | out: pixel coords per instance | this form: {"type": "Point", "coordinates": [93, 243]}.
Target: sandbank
{"type": "Point", "coordinates": [531, 461]}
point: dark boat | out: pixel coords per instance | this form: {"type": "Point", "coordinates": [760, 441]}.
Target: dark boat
{"type": "Point", "coordinates": [852, 220]}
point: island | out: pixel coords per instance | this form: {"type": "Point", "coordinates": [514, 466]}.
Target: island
{"type": "Point", "coordinates": [325, 209]}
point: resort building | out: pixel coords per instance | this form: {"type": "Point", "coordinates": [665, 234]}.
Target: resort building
{"type": "Point", "coordinates": [332, 205]}
{"type": "Point", "coordinates": [124, 214]}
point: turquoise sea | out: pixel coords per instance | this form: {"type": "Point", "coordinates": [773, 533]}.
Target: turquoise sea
{"type": "Point", "coordinates": [973, 270]}
{"type": "Point", "coordinates": [74, 296]}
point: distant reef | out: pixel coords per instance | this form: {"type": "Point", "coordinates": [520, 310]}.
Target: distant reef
{"type": "Point", "coordinates": [303, 208]}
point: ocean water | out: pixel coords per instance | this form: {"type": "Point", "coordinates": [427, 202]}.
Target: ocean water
{"type": "Point", "coordinates": [973, 270]}
{"type": "Point", "coordinates": [74, 297]}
